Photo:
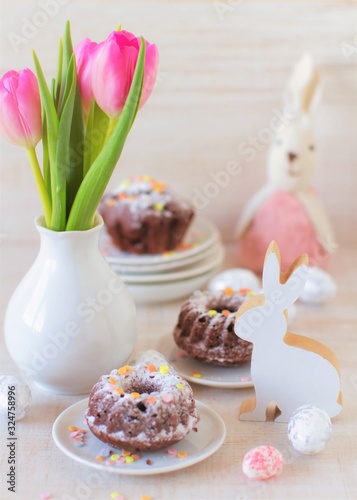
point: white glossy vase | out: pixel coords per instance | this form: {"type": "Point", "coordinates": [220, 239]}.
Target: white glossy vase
{"type": "Point", "coordinates": [71, 319]}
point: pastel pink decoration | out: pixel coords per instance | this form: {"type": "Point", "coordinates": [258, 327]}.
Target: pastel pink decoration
{"type": "Point", "coordinates": [262, 462]}
{"type": "Point", "coordinates": [287, 209]}
{"type": "Point", "coordinates": [284, 219]}
{"type": "Point", "coordinates": [113, 70]}
{"type": "Point", "coordinates": [85, 52]}
{"type": "Point", "coordinates": [20, 108]}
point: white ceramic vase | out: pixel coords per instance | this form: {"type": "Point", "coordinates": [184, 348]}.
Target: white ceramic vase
{"type": "Point", "coordinates": [71, 318]}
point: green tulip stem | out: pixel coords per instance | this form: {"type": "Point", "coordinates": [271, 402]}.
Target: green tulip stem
{"type": "Point", "coordinates": [45, 200]}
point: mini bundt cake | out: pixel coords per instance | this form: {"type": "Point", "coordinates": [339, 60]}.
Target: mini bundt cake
{"type": "Point", "coordinates": [141, 407]}
{"type": "Point", "coordinates": [205, 328]}
{"type": "Point", "coordinates": [144, 217]}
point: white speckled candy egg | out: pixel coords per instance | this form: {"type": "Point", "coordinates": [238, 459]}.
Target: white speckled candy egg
{"type": "Point", "coordinates": [262, 462]}
{"type": "Point", "coordinates": [21, 396]}
{"type": "Point", "coordinates": [309, 429]}
{"type": "Point", "coordinates": [319, 287]}
{"type": "Point", "coordinates": [235, 278]}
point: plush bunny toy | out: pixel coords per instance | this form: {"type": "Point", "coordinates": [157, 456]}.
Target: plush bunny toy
{"type": "Point", "coordinates": [287, 209]}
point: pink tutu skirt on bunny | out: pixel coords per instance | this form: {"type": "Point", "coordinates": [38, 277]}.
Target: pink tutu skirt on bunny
{"type": "Point", "coordinates": [282, 218]}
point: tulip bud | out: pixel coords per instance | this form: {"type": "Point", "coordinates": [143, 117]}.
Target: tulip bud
{"type": "Point", "coordinates": [113, 70]}
{"type": "Point", "coordinates": [84, 53]}
{"type": "Point", "coordinates": [20, 108]}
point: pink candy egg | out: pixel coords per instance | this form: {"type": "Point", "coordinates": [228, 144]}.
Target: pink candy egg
{"type": "Point", "coordinates": [262, 462]}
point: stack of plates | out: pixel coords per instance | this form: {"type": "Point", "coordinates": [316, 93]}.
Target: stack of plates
{"type": "Point", "coordinates": [172, 275]}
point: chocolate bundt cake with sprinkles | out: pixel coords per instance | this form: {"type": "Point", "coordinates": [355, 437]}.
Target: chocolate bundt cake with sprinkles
{"type": "Point", "coordinates": [144, 217]}
{"type": "Point", "coordinates": [205, 328]}
{"type": "Point", "coordinates": [141, 407]}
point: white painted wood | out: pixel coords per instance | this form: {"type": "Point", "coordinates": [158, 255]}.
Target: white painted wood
{"type": "Point", "coordinates": [287, 370]}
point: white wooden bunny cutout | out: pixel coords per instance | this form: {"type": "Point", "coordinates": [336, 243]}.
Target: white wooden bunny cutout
{"type": "Point", "coordinates": [287, 370]}
{"type": "Point", "coordinates": [288, 210]}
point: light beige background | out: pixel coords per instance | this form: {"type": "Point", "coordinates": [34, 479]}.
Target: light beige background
{"type": "Point", "coordinates": [223, 66]}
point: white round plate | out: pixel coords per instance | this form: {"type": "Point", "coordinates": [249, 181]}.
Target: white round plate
{"type": "Point", "coordinates": [237, 377]}
{"type": "Point", "coordinates": [201, 235]}
{"type": "Point", "coordinates": [169, 264]}
{"type": "Point", "coordinates": [150, 293]}
{"type": "Point", "coordinates": [198, 445]}
{"type": "Point", "coordinates": [209, 263]}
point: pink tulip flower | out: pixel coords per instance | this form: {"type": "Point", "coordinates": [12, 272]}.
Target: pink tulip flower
{"type": "Point", "coordinates": [113, 70]}
{"type": "Point", "coordinates": [20, 108]}
{"type": "Point", "coordinates": [84, 53]}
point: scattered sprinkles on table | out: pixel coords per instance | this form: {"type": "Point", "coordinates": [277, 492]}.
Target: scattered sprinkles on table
{"type": "Point", "coordinates": [115, 495]}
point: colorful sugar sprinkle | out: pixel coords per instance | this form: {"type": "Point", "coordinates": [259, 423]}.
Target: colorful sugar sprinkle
{"type": "Point", "coordinates": [151, 400]}
{"type": "Point", "coordinates": [228, 291]}
{"type": "Point", "coordinates": [180, 386]}
{"type": "Point", "coordinates": [124, 369]}
{"type": "Point", "coordinates": [212, 312]}
{"type": "Point", "coordinates": [100, 458]}
{"type": "Point", "coordinates": [112, 380]}
{"type": "Point", "coordinates": [151, 368]}
{"type": "Point", "coordinates": [77, 435]}
{"type": "Point", "coordinates": [196, 375]}
{"type": "Point", "coordinates": [115, 495]}
{"type": "Point", "coordinates": [225, 312]}
{"type": "Point", "coordinates": [114, 457]}
{"type": "Point", "coordinates": [164, 369]}
{"type": "Point", "coordinates": [135, 395]}
{"type": "Point", "coordinates": [172, 451]}
{"type": "Point", "coordinates": [126, 453]}
{"type": "Point", "coordinates": [181, 454]}
{"type": "Point", "coordinates": [119, 391]}
{"type": "Point", "coordinates": [167, 398]}
{"type": "Point", "coordinates": [159, 207]}
{"type": "Point", "coordinates": [145, 497]}
{"type": "Point", "coordinates": [45, 496]}
{"type": "Point", "coordinates": [129, 460]}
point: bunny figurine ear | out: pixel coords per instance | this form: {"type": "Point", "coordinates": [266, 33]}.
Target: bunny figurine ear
{"type": "Point", "coordinates": [303, 85]}
{"type": "Point", "coordinates": [283, 288]}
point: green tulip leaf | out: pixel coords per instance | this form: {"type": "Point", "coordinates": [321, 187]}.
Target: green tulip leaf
{"type": "Point", "coordinates": [97, 178]}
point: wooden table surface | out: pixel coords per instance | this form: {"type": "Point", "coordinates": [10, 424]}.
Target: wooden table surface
{"type": "Point", "coordinates": [331, 474]}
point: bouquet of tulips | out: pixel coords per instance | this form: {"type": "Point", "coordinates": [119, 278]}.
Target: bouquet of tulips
{"type": "Point", "coordinates": [83, 119]}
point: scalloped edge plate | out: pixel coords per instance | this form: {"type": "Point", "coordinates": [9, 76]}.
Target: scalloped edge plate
{"type": "Point", "coordinates": [210, 435]}
{"type": "Point", "coordinates": [202, 234]}
{"type": "Point", "coordinates": [237, 377]}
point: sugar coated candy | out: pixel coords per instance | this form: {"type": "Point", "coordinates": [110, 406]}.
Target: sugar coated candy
{"type": "Point", "coordinates": [262, 462]}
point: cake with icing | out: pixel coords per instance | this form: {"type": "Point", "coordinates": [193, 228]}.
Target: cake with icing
{"type": "Point", "coordinates": [141, 407]}
{"type": "Point", "coordinates": [143, 216]}
{"type": "Point", "coordinates": [205, 328]}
